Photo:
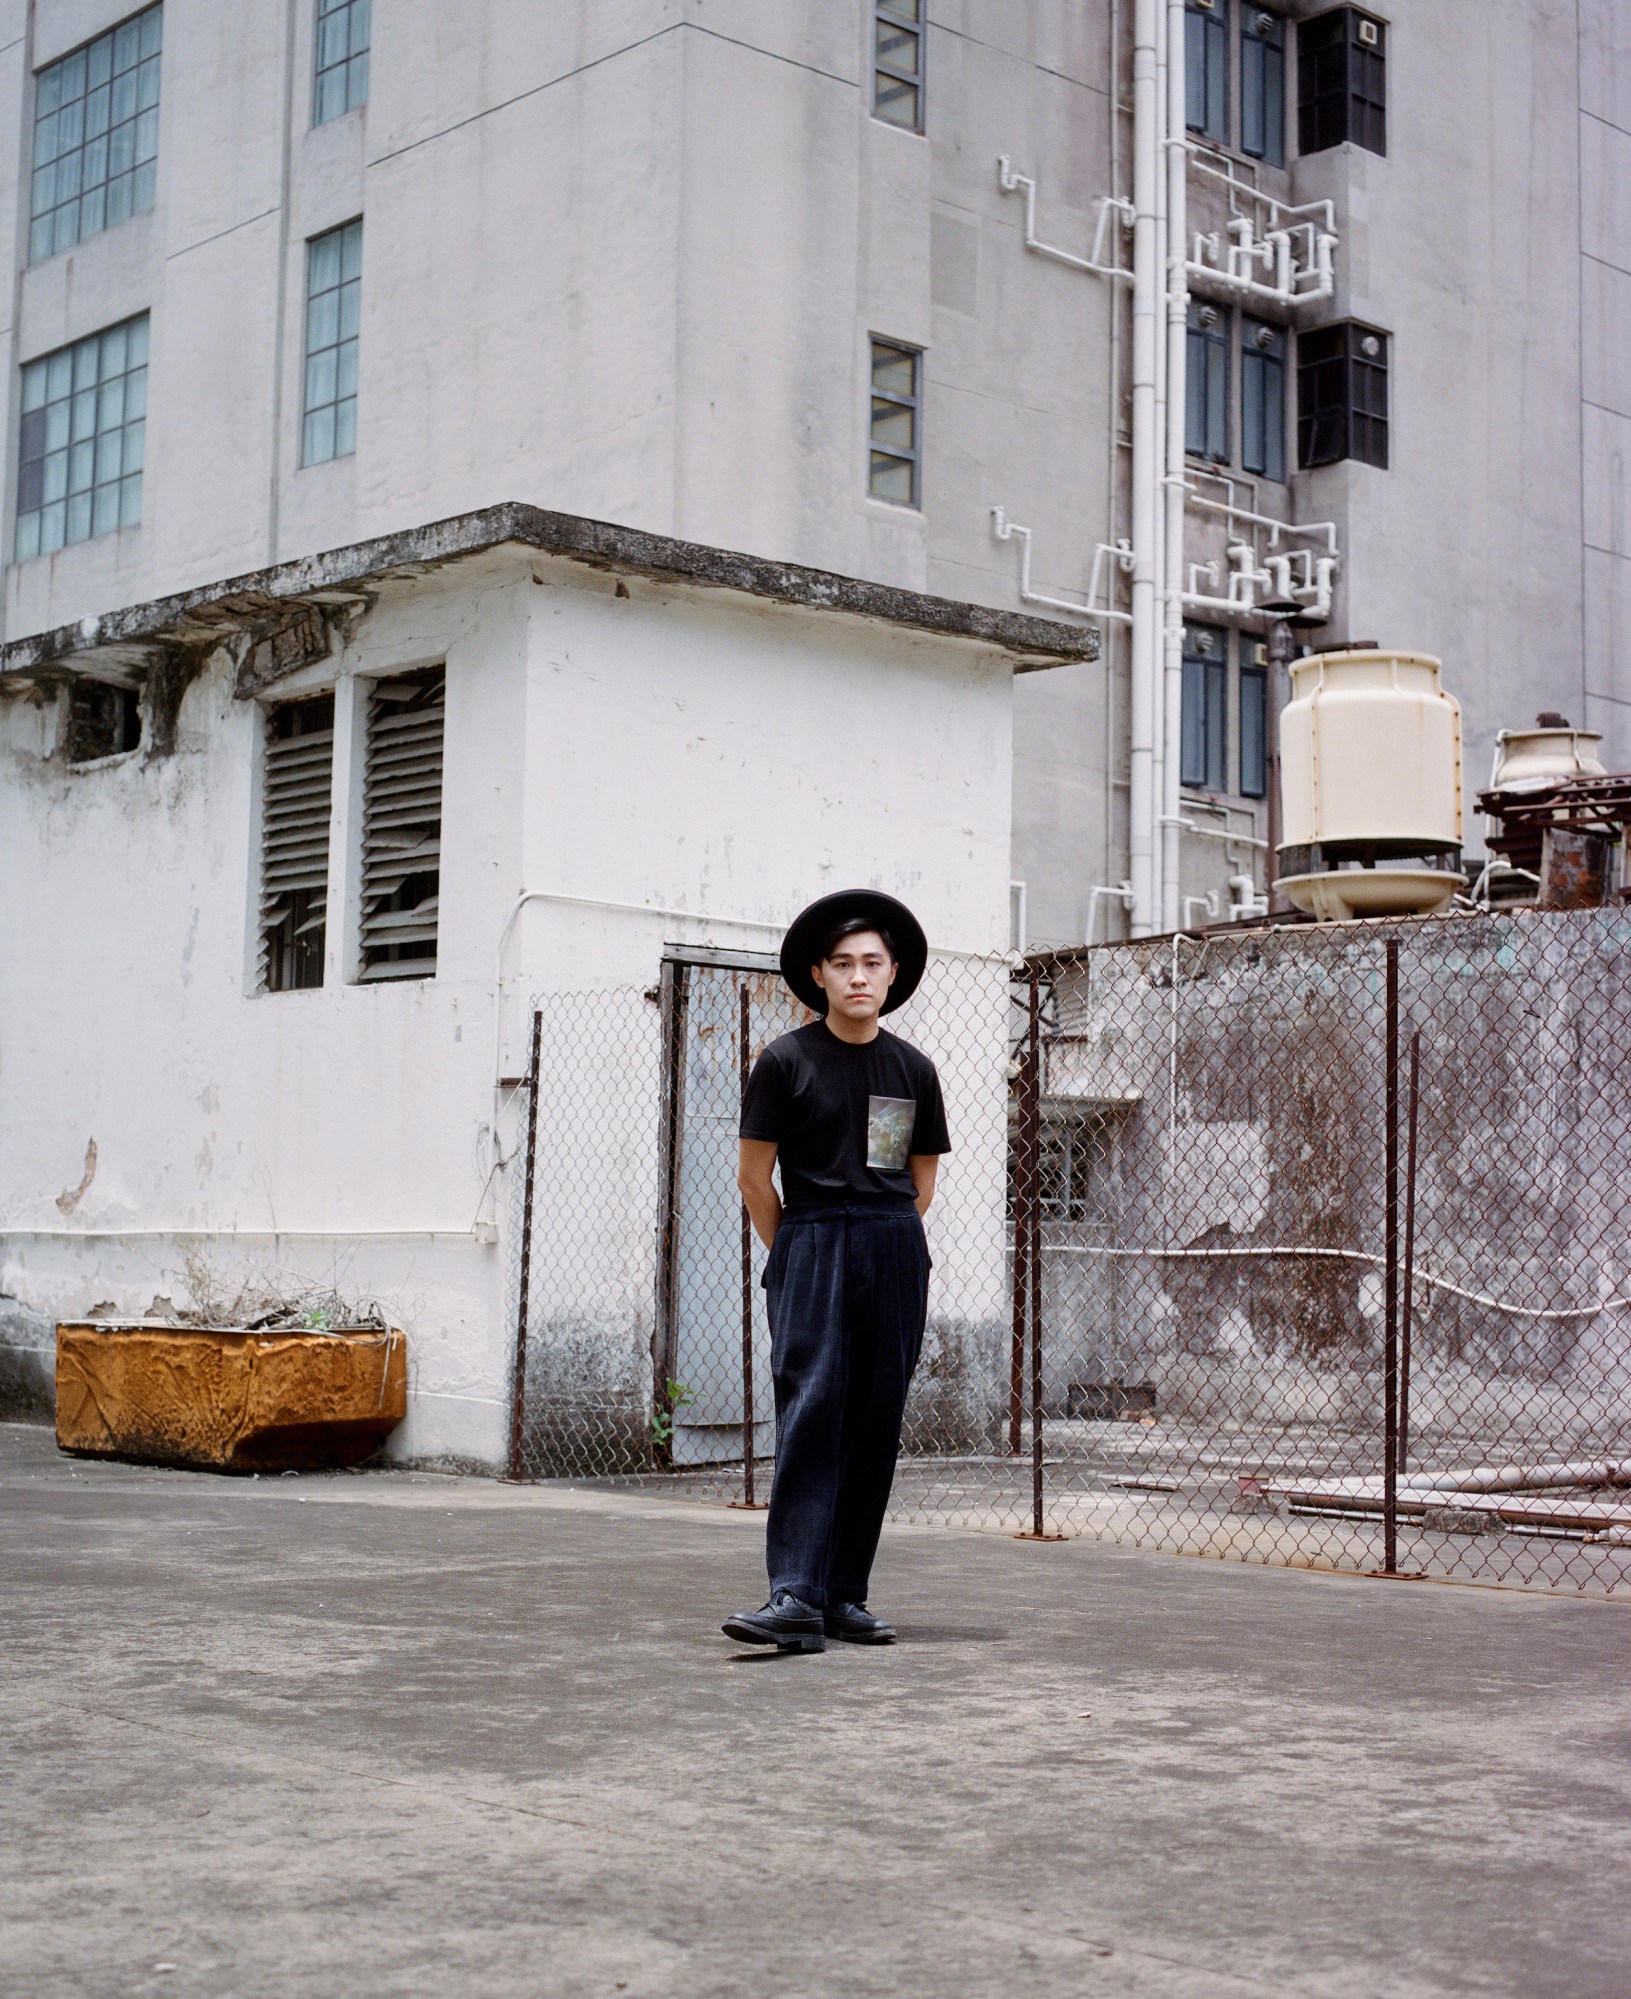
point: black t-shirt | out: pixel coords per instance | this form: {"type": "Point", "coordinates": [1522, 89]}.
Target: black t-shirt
{"type": "Point", "coordinates": [844, 1118]}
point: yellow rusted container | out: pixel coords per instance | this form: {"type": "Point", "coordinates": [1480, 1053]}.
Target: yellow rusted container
{"type": "Point", "coordinates": [235, 1401]}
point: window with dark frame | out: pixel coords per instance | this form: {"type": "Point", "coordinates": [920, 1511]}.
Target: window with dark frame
{"type": "Point", "coordinates": [1342, 395]}
{"type": "Point", "coordinates": [1254, 722]}
{"type": "Point", "coordinates": [104, 720]}
{"type": "Point", "coordinates": [895, 469]}
{"type": "Point", "coordinates": [96, 136]}
{"type": "Point", "coordinates": [402, 826]}
{"type": "Point", "coordinates": [1263, 85]}
{"type": "Point", "coordinates": [333, 314]}
{"type": "Point", "coordinates": [1203, 760]}
{"type": "Point", "coordinates": [1074, 1166]}
{"type": "Point", "coordinates": [1263, 399]}
{"type": "Point", "coordinates": [1341, 81]}
{"type": "Point", "coordinates": [340, 79]}
{"type": "Point", "coordinates": [82, 440]}
{"type": "Point", "coordinates": [1206, 68]}
{"type": "Point", "coordinates": [296, 806]}
{"type": "Point", "coordinates": [897, 63]}
{"type": "Point", "coordinates": [1206, 403]}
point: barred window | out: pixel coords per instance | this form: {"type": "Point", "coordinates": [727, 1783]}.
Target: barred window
{"type": "Point", "coordinates": [1206, 68]}
{"type": "Point", "coordinates": [897, 408]}
{"type": "Point", "coordinates": [1342, 400]}
{"type": "Point", "coordinates": [897, 63]}
{"type": "Point", "coordinates": [402, 826]}
{"type": "Point", "coordinates": [299, 775]}
{"type": "Point", "coordinates": [333, 311]}
{"type": "Point", "coordinates": [341, 80]}
{"type": "Point", "coordinates": [81, 440]}
{"type": "Point", "coordinates": [1206, 404]}
{"type": "Point", "coordinates": [96, 136]}
{"type": "Point", "coordinates": [1341, 81]}
{"type": "Point", "coordinates": [1204, 738]}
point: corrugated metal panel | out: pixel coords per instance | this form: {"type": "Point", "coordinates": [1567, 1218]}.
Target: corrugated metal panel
{"type": "Point", "coordinates": [402, 826]}
{"type": "Point", "coordinates": [294, 843]}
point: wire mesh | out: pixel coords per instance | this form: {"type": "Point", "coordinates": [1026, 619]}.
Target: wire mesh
{"type": "Point", "coordinates": [1303, 1245]}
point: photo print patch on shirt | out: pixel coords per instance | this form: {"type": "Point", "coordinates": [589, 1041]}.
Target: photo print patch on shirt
{"type": "Point", "coordinates": [889, 1123]}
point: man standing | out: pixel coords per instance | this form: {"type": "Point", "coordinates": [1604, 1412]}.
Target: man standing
{"type": "Point", "coordinates": [854, 1118]}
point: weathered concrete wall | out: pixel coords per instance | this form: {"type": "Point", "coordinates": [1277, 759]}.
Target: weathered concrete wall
{"type": "Point", "coordinates": [1251, 1123]}
{"type": "Point", "coordinates": [617, 754]}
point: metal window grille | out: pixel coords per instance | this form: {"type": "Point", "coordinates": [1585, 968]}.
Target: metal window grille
{"type": "Point", "coordinates": [402, 826]}
{"type": "Point", "coordinates": [333, 313]}
{"type": "Point", "coordinates": [1263, 399]}
{"type": "Point", "coordinates": [1344, 1284]}
{"type": "Point", "coordinates": [897, 63]}
{"type": "Point", "coordinates": [340, 81]}
{"type": "Point", "coordinates": [1341, 81]}
{"type": "Point", "coordinates": [1203, 759]}
{"type": "Point", "coordinates": [1342, 395]}
{"type": "Point", "coordinates": [1263, 85]}
{"type": "Point", "coordinates": [1254, 723]}
{"type": "Point", "coordinates": [1206, 407]}
{"type": "Point", "coordinates": [895, 469]}
{"type": "Point", "coordinates": [82, 440]}
{"type": "Point", "coordinates": [299, 781]}
{"type": "Point", "coordinates": [1206, 68]}
{"type": "Point", "coordinates": [96, 136]}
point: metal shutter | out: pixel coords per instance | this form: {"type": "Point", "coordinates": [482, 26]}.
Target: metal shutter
{"type": "Point", "coordinates": [294, 843]}
{"type": "Point", "coordinates": [402, 826]}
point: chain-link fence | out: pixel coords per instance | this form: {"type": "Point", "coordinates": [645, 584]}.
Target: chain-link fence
{"type": "Point", "coordinates": [1304, 1245]}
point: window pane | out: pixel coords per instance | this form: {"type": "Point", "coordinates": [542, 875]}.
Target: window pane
{"type": "Point", "coordinates": [896, 103]}
{"type": "Point", "coordinates": [892, 424]}
{"type": "Point", "coordinates": [96, 119]}
{"type": "Point", "coordinates": [1206, 68]}
{"type": "Point", "coordinates": [74, 440]}
{"type": "Point", "coordinates": [894, 369]}
{"type": "Point", "coordinates": [1254, 711]}
{"type": "Point", "coordinates": [1263, 88]}
{"type": "Point", "coordinates": [892, 479]}
{"type": "Point", "coordinates": [340, 58]}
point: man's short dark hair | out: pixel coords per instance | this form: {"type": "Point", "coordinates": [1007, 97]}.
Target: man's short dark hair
{"type": "Point", "coordinates": [853, 926]}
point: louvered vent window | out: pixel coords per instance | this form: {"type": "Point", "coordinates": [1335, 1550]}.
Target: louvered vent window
{"type": "Point", "coordinates": [402, 826]}
{"type": "Point", "coordinates": [294, 852]}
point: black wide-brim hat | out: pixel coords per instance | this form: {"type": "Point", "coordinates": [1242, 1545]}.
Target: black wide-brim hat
{"type": "Point", "coordinates": [810, 929]}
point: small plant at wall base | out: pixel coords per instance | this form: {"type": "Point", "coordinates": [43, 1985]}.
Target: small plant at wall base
{"type": "Point", "coordinates": [676, 1396]}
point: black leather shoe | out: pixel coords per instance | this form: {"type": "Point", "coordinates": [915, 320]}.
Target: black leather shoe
{"type": "Point", "coordinates": [786, 1622]}
{"type": "Point", "coordinates": [856, 1623]}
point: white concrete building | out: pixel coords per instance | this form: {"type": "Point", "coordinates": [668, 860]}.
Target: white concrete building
{"type": "Point", "coordinates": [292, 276]}
{"type": "Point", "coordinates": [268, 978]}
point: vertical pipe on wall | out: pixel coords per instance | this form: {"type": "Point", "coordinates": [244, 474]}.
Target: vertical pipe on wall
{"type": "Point", "coordinates": [523, 1299]}
{"type": "Point", "coordinates": [1176, 163]}
{"type": "Point", "coordinates": [1145, 511]}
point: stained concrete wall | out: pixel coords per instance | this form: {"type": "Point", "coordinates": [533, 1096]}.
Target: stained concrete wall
{"type": "Point", "coordinates": [612, 761]}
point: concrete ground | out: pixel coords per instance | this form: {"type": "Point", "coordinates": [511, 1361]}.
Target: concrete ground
{"type": "Point", "coordinates": [381, 1734]}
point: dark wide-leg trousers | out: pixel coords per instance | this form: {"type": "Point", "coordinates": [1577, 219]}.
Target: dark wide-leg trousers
{"type": "Point", "coordinates": [848, 1291]}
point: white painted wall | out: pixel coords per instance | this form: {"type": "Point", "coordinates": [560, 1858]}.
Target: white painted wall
{"type": "Point", "coordinates": [687, 750]}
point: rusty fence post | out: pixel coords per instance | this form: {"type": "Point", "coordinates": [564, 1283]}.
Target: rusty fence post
{"type": "Point", "coordinates": [523, 1301]}
{"type": "Point", "coordinates": [1033, 1046]}
{"type": "Point", "coordinates": [1408, 1312]}
{"type": "Point", "coordinates": [1390, 1200]}
{"type": "Point", "coordinates": [745, 1055]}
{"type": "Point", "coordinates": [1024, 1176]}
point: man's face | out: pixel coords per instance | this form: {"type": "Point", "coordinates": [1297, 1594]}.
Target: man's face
{"type": "Point", "coordinates": [857, 977]}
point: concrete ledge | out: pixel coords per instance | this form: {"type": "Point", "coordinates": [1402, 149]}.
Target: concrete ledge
{"type": "Point", "coordinates": [270, 602]}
